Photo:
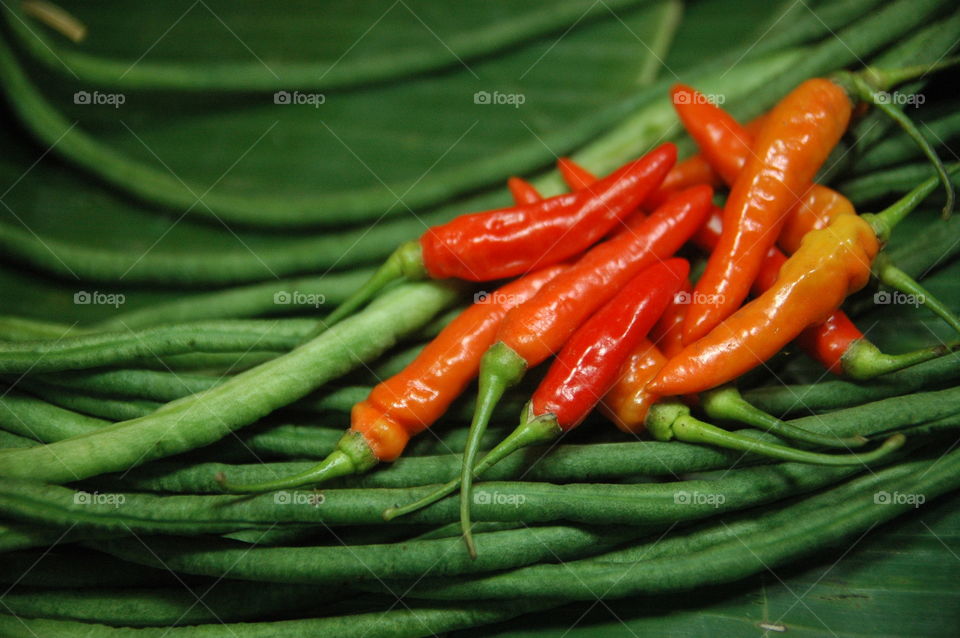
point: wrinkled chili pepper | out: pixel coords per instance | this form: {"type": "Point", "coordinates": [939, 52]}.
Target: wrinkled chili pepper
{"type": "Point", "coordinates": [412, 400]}
{"type": "Point", "coordinates": [793, 143]}
{"type": "Point", "coordinates": [836, 343]}
{"type": "Point", "coordinates": [511, 241]}
{"type": "Point", "coordinates": [583, 371]}
{"type": "Point", "coordinates": [830, 264]}
{"type": "Point", "coordinates": [533, 331]}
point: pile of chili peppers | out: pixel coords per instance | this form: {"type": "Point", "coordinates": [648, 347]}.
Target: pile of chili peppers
{"type": "Point", "coordinates": [601, 290]}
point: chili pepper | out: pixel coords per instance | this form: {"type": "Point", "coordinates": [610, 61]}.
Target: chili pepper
{"type": "Point", "coordinates": [815, 210]}
{"type": "Point", "coordinates": [582, 373]}
{"type": "Point", "coordinates": [835, 343]}
{"type": "Point", "coordinates": [535, 330]}
{"type": "Point", "coordinates": [830, 264]}
{"type": "Point", "coordinates": [667, 333]}
{"type": "Point", "coordinates": [725, 143]}
{"type": "Point", "coordinates": [795, 140]}
{"type": "Point", "coordinates": [510, 241]}
{"type": "Point", "coordinates": [632, 404]}
{"type": "Point", "coordinates": [523, 192]}
{"type": "Point", "coordinates": [411, 401]}
{"type": "Point", "coordinates": [788, 150]}
{"type": "Point", "coordinates": [692, 171]}
{"type": "Point", "coordinates": [628, 401]}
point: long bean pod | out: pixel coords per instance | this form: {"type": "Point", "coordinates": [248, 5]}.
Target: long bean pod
{"type": "Point", "coordinates": [203, 418]}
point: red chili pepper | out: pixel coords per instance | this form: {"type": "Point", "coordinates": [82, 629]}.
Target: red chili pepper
{"type": "Point", "coordinates": [532, 332]}
{"type": "Point", "coordinates": [523, 191]}
{"type": "Point", "coordinates": [793, 143]}
{"type": "Point", "coordinates": [412, 400]}
{"type": "Point", "coordinates": [511, 241]}
{"type": "Point", "coordinates": [582, 373]}
{"type": "Point", "coordinates": [588, 364]}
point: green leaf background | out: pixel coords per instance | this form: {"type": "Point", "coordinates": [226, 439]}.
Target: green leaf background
{"type": "Point", "coordinates": [580, 66]}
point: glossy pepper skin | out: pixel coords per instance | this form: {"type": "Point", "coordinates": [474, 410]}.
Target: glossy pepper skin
{"type": "Point", "coordinates": [818, 207]}
{"type": "Point", "coordinates": [725, 145]}
{"type": "Point", "coordinates": [510, 241]}
{"type": "Point", "coordinates": [539, 328]}
{"type": "Point", "coordinates": [628, 401]}
{"type": "Point", "coordinates": [412, 400]}
{"type": "Point", "coordinates": [829, 265]}
{"type": "Point", "coordinates": [589, 363]}
{"type": "Point", "coordinates": [793, 143]}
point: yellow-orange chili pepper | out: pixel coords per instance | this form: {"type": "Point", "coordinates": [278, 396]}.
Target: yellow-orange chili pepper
{"type": "Point", "coordinates": [830, 264]}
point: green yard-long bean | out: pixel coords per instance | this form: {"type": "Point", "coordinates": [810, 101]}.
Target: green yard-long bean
{"type": "Point", "coordinates": [204, 418]}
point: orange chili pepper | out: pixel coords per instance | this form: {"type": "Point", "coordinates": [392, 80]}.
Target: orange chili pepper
{"type": "Point", "coordinates": [829, 265]}
{"type": "Point", "coordinates": [412, 400]}
{"type": "Point", "coordinates": [629, 400]}
{"type": "Point", "coordinates": [792, 144]}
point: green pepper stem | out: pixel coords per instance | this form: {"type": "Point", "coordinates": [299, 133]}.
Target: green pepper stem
{"type": "Point", "coordinates": [866, 92]}
{"type": "Point", "coordinates": [405, 261]}
{"type": "Point", "coordinates": [863, 360]}
{"type": "Point", "coordinates": [500, 369]}
{"type": "Point", "coordinates": [532, 430]}
{"type": "Point", "coordinates": [886, 220]}
{"type": "Point", "coordinates": [352, 456]}
{"type": "Point", "coordinates": [889, 274]}
{"type": "Point", "coordinates": [529, 432]}
{"type": "Point", "coordinates": [672, 420]}
{"type": "Point", "coordinates": [727, 403]}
